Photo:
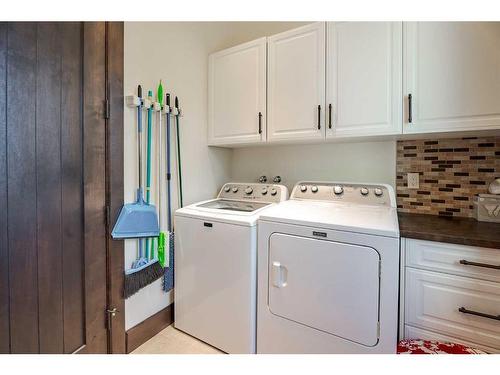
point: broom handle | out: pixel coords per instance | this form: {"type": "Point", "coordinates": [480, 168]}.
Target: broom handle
{"type": "Point", "coordinates": [139, 149]}
{"type": "Point", "coordinates": [178, 152]}
{"type": "Point", "coordinates": [148, 161]}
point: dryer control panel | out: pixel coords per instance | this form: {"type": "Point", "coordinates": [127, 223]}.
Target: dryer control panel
{"type": "Point", "coordinates": [348, 192]}
{"type": "Point", "coordinates": [271, 193]}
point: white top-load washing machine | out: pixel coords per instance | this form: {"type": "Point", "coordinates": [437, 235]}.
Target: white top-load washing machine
{"type": "Point", "coordinates": [216, 265]}
{"type": "Point", "coordinates": [328, 266]}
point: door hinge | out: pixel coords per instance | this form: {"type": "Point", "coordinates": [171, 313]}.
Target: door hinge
{"type": "Point", "coordinates": [110, 314]}
{"type": "Point", "coordinates": [108, 215]}
{"type": "Point", "coordinates": [107, 109]}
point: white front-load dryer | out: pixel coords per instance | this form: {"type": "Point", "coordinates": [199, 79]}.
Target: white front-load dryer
{"type": "Point", "coordinates": [328, 262]}
{"type": "Point", "coordinates": [216, 265]}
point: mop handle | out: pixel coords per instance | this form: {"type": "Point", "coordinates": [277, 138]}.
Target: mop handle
{"type": "Point", "coordinates": [158, 184]}
{"type": "Point", "coordinates": [178, 151]}
{"type": "Point", "coordinates": [169, 175]}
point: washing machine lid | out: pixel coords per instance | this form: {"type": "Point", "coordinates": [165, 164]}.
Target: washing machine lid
{"type": "Point", "coordinates": [233, 205]}
{"type": "Point", "coordinates": [368, 219]}
{"type": "Point", "coordinates": [238, 213]}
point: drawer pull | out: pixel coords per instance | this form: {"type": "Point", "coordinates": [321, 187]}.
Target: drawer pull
{"type": "Point", "coordinates": [471, 312]}
{"type": "Point", "coordinates": [485, 265]}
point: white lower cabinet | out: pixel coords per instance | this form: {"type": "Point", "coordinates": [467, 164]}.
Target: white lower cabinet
{"type": "Point", "coordinates": [445, 302]}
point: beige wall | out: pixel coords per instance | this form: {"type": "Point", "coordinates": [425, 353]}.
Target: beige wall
{"type": "Point", "coordinates": [357, 162]}
{"type": "Point", "coordinates": [177, 53]}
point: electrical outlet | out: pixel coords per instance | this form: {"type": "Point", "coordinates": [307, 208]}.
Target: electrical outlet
{"type": "Point", "coordinates": [412, 180]}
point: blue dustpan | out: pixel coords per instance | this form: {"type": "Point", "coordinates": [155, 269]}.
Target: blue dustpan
{"type": "Point", "coordinates": [136, 220]}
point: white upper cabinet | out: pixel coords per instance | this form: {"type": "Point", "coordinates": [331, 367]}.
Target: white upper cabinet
{"type": "Point", "coordinates": [237, 95]}
{"type": "Point", "coordinates": [296, 84]}
{"type": "Point", "coordinates": [452, 72]}
{"type": "Point", "coordinates": [364, 79]}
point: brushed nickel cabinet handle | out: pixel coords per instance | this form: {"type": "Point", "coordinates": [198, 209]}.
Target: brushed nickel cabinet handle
{"type": "Point", "coordinates": [319, 116]}
{"type": "Point", "coordinates": [329, 116]}
{"type": "Point", "coordinates": [477, 313]}
{"type": "Point", "coordinates": [410, 108]}
{"type": "Point", "coordinates": [485, 265]}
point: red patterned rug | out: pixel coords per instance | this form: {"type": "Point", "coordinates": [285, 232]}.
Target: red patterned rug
{"type": "Point", "coordinates": [415, 346]}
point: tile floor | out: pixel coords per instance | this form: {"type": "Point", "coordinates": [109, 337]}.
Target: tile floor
{"type": "Point", "coordinates": [173, 341]}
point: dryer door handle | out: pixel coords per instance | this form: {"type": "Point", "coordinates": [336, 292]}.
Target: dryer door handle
{"type": "Point", "coordinates": [279, 275]}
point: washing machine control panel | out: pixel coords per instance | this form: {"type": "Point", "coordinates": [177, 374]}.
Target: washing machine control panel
{"type": "Point", "coordinates": [357, 193]}
{"type": "Point", "coordinates": [273, 193]}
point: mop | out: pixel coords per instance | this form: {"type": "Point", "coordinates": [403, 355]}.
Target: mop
{"type": "Point", "coordinates": [162, 236]}
{"type": "Point", "coordinates": [168, 283]}
{"type": "Point", "coordinates": [143, 271]}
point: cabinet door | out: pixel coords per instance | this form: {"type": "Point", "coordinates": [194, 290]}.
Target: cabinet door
{"type": "Point", "coordinates": [452, 71]}
{"type": "Point", "coordinates": [364, 78]}
{"type": "Point", "coordinates": [237, 94]}
{"type": "Point", "coordinates": [296, 84]}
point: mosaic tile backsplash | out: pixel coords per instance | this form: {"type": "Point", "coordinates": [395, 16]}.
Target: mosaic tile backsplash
{"type": "Point", "coordinates": [451, 172]}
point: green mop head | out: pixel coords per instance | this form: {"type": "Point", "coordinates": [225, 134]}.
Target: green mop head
{"type": "Point", "coordinates": [138, 278]}
{"type": "Point", "coordinates": [161, 249]}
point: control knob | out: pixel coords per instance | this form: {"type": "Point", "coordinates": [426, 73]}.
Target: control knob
{"type": "Point", "coordinates": [338, 189]}
{"type": "Point", "coordinates": [227, 188]}
{"type": "Point", "coordinates": [248, 190]}
{"type": "Point", "coordinates": [364, 191]}
{"type": "Point", "coordinates": [303, 188]}
{"type": "Point", "coordinates": [314, 189]}
{"type": "Point", "coordinates": [264, 191]}
{"type": "Point", "coordinates": [235, 189]}
{"type": "Point", "coordinates": [378, 192]}
{"type": "Point", "coordinates": [274, 191]}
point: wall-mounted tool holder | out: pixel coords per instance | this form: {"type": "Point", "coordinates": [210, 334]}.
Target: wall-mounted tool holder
{"type": "Point", "coordinates": [134, 102]}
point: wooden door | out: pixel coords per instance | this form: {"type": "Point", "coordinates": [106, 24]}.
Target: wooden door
{"type": "Point", "coordinates": [54, 259]}
{"type": "Point", "coordinates": [364, 79]}
{"type": "Point", "coordinates": [237, 94]}
{"type": "Point", "coordinates": [452, 72]}
{"type": "Point", "coordinates": [296, 84]}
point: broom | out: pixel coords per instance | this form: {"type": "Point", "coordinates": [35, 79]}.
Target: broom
{"type": "Point", "coordinates": [144, 271]}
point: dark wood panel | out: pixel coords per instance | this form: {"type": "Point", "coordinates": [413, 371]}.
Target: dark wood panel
{"type": "Point", "coordinates": [72, 194]}
{"type": "Point", "coordinates": [94, 158]}
{"type": "Point", "coordinates": [21, 166]}
{"type": "Point", "coordinates": [138, 335]}
{"type": "Point", "coordinates": [4, 255]}
{"type": "Point", "coordinates": [115, 180]}
{"type": "Point", "coordinates": [48, 187]}
{"type": "Point", "coordinates": [61, 162]}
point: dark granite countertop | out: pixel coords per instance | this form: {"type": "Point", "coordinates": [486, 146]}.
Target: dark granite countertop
{"type": "Point", "coordinates": [462, 231]}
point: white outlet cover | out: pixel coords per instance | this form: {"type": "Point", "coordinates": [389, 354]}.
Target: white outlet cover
{"type": "Point", "coordinates": [412, 180]}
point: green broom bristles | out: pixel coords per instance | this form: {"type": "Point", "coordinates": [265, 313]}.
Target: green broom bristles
{"type": "Point", "coordinates": [138, 280]}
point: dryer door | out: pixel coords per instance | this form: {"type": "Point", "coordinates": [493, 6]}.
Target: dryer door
{"type": "Point", "coordinates": [329, 286]}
